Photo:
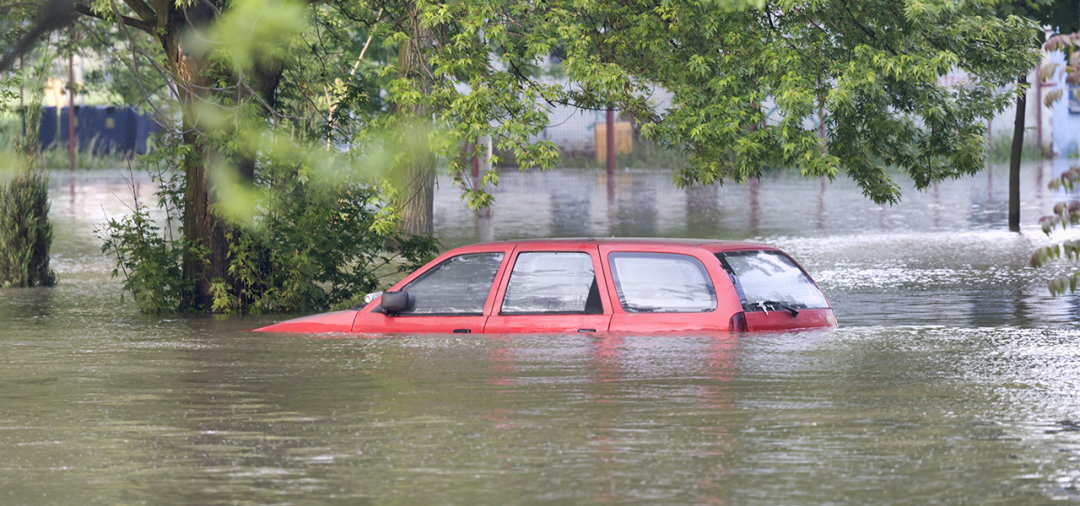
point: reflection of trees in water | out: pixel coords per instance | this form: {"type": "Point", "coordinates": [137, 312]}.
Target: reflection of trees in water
{"type": "Point", "coordinates": [26, 304]}
{"type": "Point", "coordinates": [702, 211]}
{"type": "Point", "coordinates": [635, 207]}
{"type": "Point", "coordinates": [990, 207]}
{"type": "Point", "coordinates": [988, 308]}
{"type": "Point", "coordinates": [570, 203]}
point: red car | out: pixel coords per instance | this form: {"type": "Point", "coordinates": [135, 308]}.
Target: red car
{"type": "Point", "coordinates": [590, 285]}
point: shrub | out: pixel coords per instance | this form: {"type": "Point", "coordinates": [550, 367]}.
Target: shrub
{"type": "Point", "coordinates": [309, 244]}
{"type": "Point", "coordinates": [25, 232]}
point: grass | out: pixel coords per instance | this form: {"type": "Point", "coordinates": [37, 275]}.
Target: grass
{"type": "Point", "coordinates": [1001, 150]}
{"type": "Point", "coordinates": [57, 157]}
{"type": "Point", "coordinates": [644, 155]}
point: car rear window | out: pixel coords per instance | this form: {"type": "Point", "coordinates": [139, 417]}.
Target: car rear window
{"type": "Point", "coordinates": [550, 282]}
{"type": "Point", "coordinates": [457, 286]}
{"type": "Point", "coordinates": [771, 276]}
{"type": "Point", "coordinates": [661, 283]}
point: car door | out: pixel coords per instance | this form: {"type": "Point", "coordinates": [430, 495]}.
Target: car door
{"type": "Point", "coordinates": [552, 288]}
{"type": "Point", "coordinates": [451, 295]}
{"type": "Point", "coordinates": [663, 289]}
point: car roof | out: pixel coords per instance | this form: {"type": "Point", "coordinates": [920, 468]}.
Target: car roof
{"type": "Point", "coordinates": [715, 246]}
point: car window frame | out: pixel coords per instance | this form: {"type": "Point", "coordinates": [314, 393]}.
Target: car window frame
{"type": "Point", "coordinates": [496, 284]}
{"type": "Point", "coordinates": [614, 286]}
{"type": "Point", "coordinates": [597, 283]}
{"type": "Point", "coordinates": [599, 270]}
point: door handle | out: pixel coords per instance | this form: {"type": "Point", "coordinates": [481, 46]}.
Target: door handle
{"type": "Point", "coordinates": [586, 330]}
{"type": "Point", "coordinates": [462, 331]}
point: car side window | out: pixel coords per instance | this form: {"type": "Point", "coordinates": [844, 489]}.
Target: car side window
{"type": "Point", "coordinates": [661, 283]}
{"type": "Point", "coordinates": [458, 286]}
{"type": "Point", "coordinates": [552, 283]}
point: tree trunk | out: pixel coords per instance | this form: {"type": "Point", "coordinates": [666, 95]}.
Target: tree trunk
{"type": "Point", "coordinates": [417, 200]}
{"type": "Point", "coordinates": [206, 249]}
{"type": "Point", "coordinates": [1014, 160]}
{"type": "Point", "coordinates": [206, 242]}
{"type": "Point", "coordinates": [415, 173]}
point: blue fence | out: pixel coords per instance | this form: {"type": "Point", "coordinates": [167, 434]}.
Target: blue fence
{"type": "Point", "coordinates": [99, 129]}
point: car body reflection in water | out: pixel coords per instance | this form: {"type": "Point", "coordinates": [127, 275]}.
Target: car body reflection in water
{"type": "Point", "coordinates": [612, 367]}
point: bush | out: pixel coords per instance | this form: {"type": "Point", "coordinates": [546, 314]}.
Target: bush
{"type": "Point", "coordinates": [309, 244]}
{"type": "Point", "coordinates": [25, 232]}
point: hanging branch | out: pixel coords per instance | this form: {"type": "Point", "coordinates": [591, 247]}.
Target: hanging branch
{"type": "Point", "coordinates": [53, 15]}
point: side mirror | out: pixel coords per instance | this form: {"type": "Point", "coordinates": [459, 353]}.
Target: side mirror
{"type": "Point", "coordinates": [394, 302]}
{"type": "Point", "coordinates": [367, 300]}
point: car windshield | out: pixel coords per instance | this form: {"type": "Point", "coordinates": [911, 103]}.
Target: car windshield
{"type": "Point", "coordinates": [770, 277]}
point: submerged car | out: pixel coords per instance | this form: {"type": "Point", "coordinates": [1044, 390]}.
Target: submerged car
{"type": "Point", "coordinates": [590, 285]}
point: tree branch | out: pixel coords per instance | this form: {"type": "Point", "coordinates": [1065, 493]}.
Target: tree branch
{"type": "Point", "coordinates": [143, 10]}
{"type": "Point", "coordinates": [132, 22]}
{"type": "Point", "coordinates": [55, 14]}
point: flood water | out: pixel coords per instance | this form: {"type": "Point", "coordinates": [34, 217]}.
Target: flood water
{"type": "Point", "coordinates": [953, 378]}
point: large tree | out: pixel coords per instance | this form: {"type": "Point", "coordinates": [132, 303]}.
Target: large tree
{"type": "Point", "coordinates": [402, 83]}
{"type": "Point", "coordinates": [745, 78]}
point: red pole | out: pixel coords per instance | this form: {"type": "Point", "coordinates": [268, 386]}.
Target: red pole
{"type": "Point", "coordinates": [610, 143]}
{"type": "Point", "coordinates": [71, 108]}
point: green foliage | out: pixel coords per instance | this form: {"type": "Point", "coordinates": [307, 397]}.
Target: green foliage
{"type": "Point", "coordinates": [872, 66]}
{"type": "Point", "coordinates": [878, 87]}
{"type": "Point", "coordinates": [1066, 214]}
{"type": "Point", "coordinates": [149, 261]}
{"type": "Point", "coordinates": [289, 110]}
{"type": "Point", "coordinates": [1060, 15]}
{"type": "Point", "coordinates": [25, 232]}
{"type": "Point", "coordinates": [314, 246]}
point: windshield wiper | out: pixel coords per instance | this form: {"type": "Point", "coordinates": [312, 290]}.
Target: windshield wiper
{"type": "Point", "coordinates": [776, 304]}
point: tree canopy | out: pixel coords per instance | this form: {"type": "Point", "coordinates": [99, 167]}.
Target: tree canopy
{"type": "Point", "coordinates": [385, 88]}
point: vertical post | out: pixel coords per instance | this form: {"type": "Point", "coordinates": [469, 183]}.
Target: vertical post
{"type": "Point", "coordinates": [1038, 115]}
{"type": "Point", "coordinates": [475, 168]}
{"type": "Point", "coordinates": [610, 143]}
{"type": "Point", "coordinates": [22, 106]}
{"type": "Point", "coordinates": [821, 129]}
{"type": "Point", "coordinates": [754, 206]}
{"type": "Point", "coordinates": [1014, 158]}
{"type": "Point", "coordinates": [488, 154]}
{"type": "Point", "coordinates": [71, 102]}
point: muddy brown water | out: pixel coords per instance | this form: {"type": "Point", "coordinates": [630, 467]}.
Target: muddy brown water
{"type": "Point", "coordinates": [953, 378]}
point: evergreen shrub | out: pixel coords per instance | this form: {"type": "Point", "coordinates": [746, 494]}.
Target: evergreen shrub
{"type": "Point", "coordinates": [25, 232]}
